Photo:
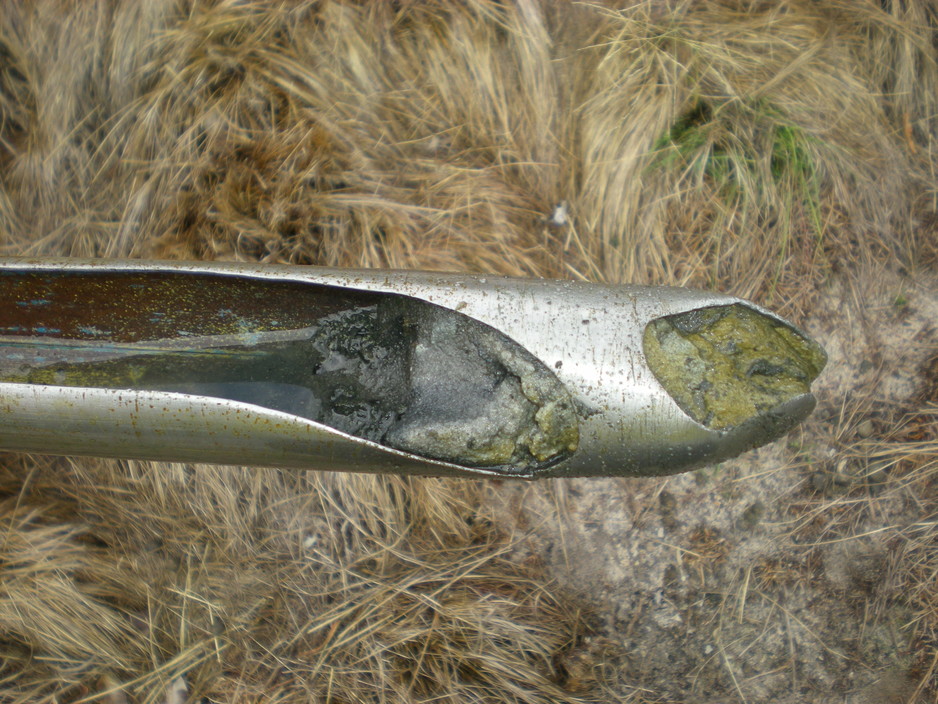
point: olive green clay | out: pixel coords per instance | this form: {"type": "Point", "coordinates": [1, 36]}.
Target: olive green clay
{"type": "Point", "coordinates": [725, 365]}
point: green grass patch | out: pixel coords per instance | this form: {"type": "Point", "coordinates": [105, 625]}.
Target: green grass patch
{"type": "Point", "coordinates": [755, 163]}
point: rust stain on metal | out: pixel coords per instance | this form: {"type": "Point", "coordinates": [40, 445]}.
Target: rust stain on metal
{"type": "Point", "coordinates": [138, 306]}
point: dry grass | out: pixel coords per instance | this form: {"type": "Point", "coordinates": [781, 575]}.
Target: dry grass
{"type": "Point", "coordinates": [758, 147]}
{"type": "Point", "coordinates": [732, 144]}
{"type": "Point", "coordinates": [262, 585]}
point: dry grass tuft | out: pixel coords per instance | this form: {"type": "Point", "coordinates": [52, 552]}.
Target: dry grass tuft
{"type": "Point", "coordinates": [265, 585]}
{"type": "Point", "coordinates": [750, 146]}
{"type": "Point", "coordinates": [729, 144]}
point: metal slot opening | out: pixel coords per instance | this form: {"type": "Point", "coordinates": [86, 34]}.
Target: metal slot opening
{"type": "Point", "coordinates": [725, 365]}
{"type": "Point", "coordinates": [383, 367]}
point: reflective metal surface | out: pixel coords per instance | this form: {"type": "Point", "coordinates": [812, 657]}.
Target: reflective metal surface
{"type": "Point", "coordinates": [589, 336]}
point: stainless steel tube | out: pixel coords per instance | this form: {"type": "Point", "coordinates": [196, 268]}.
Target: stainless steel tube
{"type": "Point", "coordinates": [388, 371]}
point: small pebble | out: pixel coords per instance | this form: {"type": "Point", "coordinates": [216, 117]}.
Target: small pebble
{"type": "Point", "coordinates": [866, 428]}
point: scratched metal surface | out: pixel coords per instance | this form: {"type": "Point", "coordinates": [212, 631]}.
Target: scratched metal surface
{"type": "Point", "coordinates": [590, 335]}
